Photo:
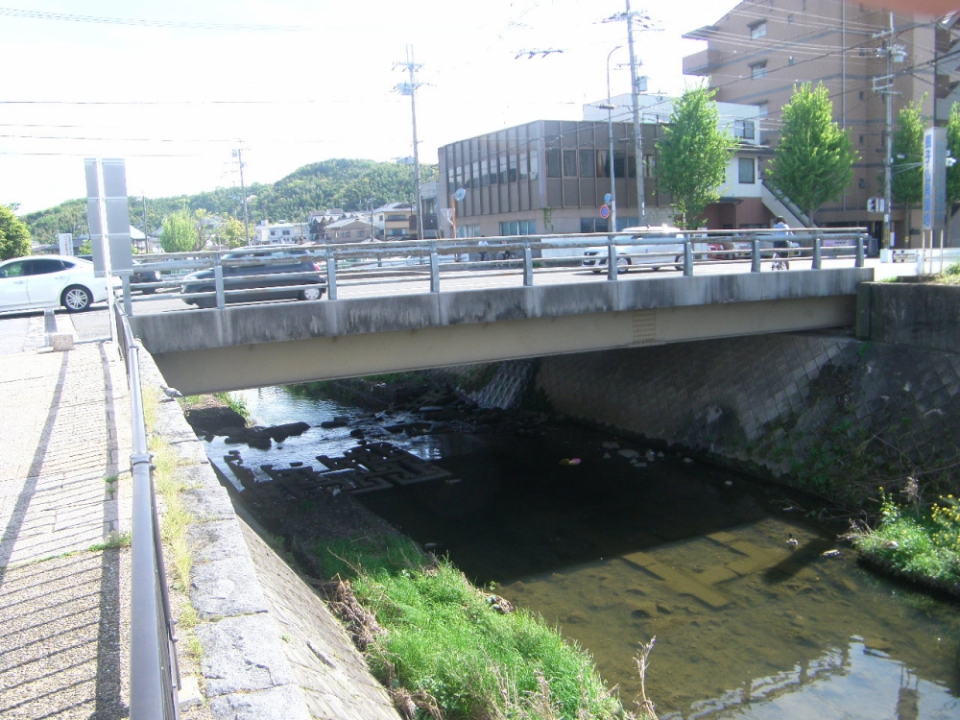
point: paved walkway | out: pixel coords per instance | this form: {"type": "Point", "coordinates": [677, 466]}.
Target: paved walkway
{"type": "Point", "coordinates": [64, 420]}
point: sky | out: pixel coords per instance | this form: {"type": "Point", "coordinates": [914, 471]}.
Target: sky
{"type": "Point", "coordinates": [176, 86]}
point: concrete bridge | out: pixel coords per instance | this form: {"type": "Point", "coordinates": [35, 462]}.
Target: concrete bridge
{"type": "Point", "coordinates": [202, 351]}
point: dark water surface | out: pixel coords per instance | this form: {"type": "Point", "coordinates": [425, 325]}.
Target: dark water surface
{"type": "Point", "coordinates": [616, 547]}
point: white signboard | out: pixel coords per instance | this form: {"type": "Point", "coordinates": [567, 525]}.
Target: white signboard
{"type": "Point", "coordinates": [934, 178]}
{"type": "Point", "coordinates": [66, 243]}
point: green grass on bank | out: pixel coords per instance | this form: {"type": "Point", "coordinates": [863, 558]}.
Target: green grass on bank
{"type": "Point", "coordinates": [444, 639]}
{"type": "Point", "coordinates": [923, 543]}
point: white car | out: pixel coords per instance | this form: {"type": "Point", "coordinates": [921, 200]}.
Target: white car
{"type": "Point", "coordinates": [654, 247]}
{"type": "Point", "coordinates": [49, 281]}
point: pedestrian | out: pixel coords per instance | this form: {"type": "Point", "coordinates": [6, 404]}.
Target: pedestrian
{"type": "Point", "coordinates": [483, 252]}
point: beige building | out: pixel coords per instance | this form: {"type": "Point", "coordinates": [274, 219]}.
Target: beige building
{"type": "Point", "coordinates": [758, 52]}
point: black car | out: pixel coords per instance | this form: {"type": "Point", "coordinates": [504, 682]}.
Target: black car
{"type": "Point", "coordinates": [272, 273]}
{"type": "Point", "coordinates": [142, 275]}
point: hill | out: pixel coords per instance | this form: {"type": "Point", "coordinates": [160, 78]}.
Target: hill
{"type": "Point", "coordinates": [349, 184]}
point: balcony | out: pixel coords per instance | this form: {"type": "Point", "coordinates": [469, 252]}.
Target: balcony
{"type": "Point", "coordinates": [702, 63]}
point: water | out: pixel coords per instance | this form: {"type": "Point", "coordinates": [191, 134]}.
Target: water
{"type": "Point", "coordinates": [616, 550]}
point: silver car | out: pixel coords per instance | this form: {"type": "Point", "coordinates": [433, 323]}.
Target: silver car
{"type": "Point", "coordinates": [653, 247]}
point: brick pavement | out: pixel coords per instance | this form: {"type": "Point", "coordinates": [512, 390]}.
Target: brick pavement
{"type": "Point", "coordinates": [64, 419]}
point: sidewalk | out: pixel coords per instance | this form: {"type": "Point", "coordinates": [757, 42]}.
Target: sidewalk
{"type": "Point", "coordinates": [64, 419]}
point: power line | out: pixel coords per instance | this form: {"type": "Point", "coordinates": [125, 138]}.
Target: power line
{"type": "Point", "coordinates": [140, 22]}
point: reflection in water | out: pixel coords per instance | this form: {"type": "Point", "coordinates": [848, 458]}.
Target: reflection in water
{"type": "Point", "coordinates": [622, 547]}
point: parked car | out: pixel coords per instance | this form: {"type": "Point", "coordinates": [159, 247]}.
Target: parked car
{"type": "Point", "coordinates": [49, 281]}
{"type": "Point", "coordinates": [654, 247]}
{"type": "Point", "coordinates": [264, 270]}
{"type": "Point", "coordinates": [143, 275]}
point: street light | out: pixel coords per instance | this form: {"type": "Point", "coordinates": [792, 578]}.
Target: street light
{"type": "Point", "coordinates": [613, 183]}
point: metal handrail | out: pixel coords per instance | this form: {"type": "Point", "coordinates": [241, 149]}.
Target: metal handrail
{"type": "Point", "coordinates": [366, 263]}
{"type": "Point", "coordinates": [154, 674]}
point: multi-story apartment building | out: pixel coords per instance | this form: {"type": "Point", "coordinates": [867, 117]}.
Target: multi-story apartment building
{"type": "Point", "coordinates": [758, 52]}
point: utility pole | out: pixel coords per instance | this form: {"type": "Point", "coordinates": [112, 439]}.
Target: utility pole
{"type": "Point", "coordinates": [884, 85]}
{"type": "Point", "coordinates": [613, 182]}
{"type": "Point", "coordinates": [410, 88]}
{"type": "Point", "coordinates": [629, 17]}
{"type": "Point", "coordinates": [238, 154]}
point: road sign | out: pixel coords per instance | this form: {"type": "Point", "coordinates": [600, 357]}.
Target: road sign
{"type": "Point", "coordinates": [460, 194]}
{"type": "Point", "coordinates": [604, 211]}
{"type": "Point", "coordinates": [607, 198]}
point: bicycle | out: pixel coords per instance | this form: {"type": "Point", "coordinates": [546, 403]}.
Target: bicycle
{"type": "Point", "coordinates": [778, 263]}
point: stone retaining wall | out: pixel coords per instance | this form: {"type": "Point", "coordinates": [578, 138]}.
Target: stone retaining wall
{"type": "Point", "coordinates": [270, 647]}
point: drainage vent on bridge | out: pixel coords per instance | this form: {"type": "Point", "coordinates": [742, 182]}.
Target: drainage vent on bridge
{"type": "Point", "coordinates": [644, 327]}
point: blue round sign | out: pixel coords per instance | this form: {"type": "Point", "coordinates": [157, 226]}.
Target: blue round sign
{"type": "Point", "coordinates": [604, 211]}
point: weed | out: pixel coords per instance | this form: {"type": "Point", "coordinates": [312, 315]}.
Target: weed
{"type": "Point", "coordinates": [238, 405]}
{"type": "Point", "coordinates": [113, 541]}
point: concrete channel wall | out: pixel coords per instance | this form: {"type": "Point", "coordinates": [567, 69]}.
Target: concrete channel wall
{"type": "Point", "coordinates": [910, 313]}
{"type": "Point", "coordinates": [270, 648]}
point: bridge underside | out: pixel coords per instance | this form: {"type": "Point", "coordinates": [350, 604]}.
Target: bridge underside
{"type": "Point", "coordinates": [208, 363]}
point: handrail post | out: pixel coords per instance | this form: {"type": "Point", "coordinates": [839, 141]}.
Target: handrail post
{"type": "Point", "coordinates": [755, 255]}
{"type": "Point", "coordinates": [817, 253]}
{"type": "Point", "coordinates": [611, 259]}
{"type": "Point", "coordinates": [434, 269]}
{"type": "Point", "coordinates": [218, 281]}
{"type": "Point", "coordinates": [860, 258]}
{"type": "Point", "coordinates": [332, 274]}
{"type": "Point", "coordinates": [688, 257]}
{"type": "Point", "coordinates": [127, 300]}
{"type": "Point", "coordinates": [527, 264]}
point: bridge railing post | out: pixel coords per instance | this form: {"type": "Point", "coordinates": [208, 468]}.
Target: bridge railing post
{"type": "Point", "coordinates": [817, 253]}
{"type": "Point", "coordinates": [527, 264]}
{"type": "Point", "coordinates": [332, 275]}
{"type": "Point", "coordinates": [755, 255]}
{"type": "Point", "coordinates": [688, 257]}
{"type": "Point", "coordinates": [434, 269]}
{"type": "Point", "coordinates": [218, 283]}
{"type": "Point", "coordinates": [860, 254]}
{"type": "Point", "coordinates": [611, 259]}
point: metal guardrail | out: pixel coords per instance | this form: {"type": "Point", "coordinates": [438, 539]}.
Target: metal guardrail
{"type": "Point", "coordinates": [154, 674]}
{"type": "Point", "coordinates": [526, 255]}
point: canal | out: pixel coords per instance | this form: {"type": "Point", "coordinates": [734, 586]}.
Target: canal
{"type": "Point", "coordinates": [757, 611]}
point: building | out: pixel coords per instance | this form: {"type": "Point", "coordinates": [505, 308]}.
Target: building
{"type": "Point", "coordinates": [393, 221]}
{"type": "Point", "coordinates": [282, 233]}
{"type": "Point", "coordinates": [758, 52]}
{"type": "Point", "coordinates": [551, 176]}
{"type": "Point", "coordinates": [348, 229]}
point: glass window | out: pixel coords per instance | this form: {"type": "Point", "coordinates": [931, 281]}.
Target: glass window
{"type": "Point", "coordinates": [484, 176]}
{"type": "Point", "coordinates": [503, 168]}
{"type": "Point", "coordinates": [649, 165]}
{"type": "Point", "coordinates": [592, 225]}
{"type": "Point", "coordinates": [44, 266]}
{"type": "Point", "coordinates": [758, 30]}
{"type": "Point", "coordinates": [518, 227]}
{"type": "Point", "coordinates": [748, 171]}
{"type": "Point", "coordinates": [523, 166]}
{"type": "Point", "coordinates": [512, 170]}
{"type": "Point", "coordinates": [534, 165]}
{"type": "Point", "coordinates": [553, 163]}
{"type": "Point", "coordinates": [569, 163]}
{"type": "Point", "coordinates": [758, 70]}
{"type": "Point", "coordinates": [13, 270]}
{"type": "Point", "coordinates": [744, 129]}
{"type": "Point", "coordinates": [588, 163]}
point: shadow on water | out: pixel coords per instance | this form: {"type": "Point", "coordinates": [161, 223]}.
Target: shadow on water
{"type": "Point", "coordinates": [616, 546]}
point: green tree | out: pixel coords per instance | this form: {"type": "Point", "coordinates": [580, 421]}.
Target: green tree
{"type": "Point", "coordinates": [694, 154]}
{"type": "Point", "coordinates": [906, 176]}
{"type": "Point", "coordinates": [813, 161]}
{"type": "Point", "coordinates": [953, 145]}
{"type": "Point", "coordinates": [14, 235]}
{"type": "Point", "coordinates": [179, 233]}
{"type": "Point", "coordinates": [232, 233]}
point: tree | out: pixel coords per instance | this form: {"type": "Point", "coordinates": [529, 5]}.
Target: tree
{"type": "Point", "coordinates": [953, 145]}
{"type": "Point", "coordinates": [14, 235]}
{"type": "Point", "coordinates": [906, 183]}
{"type": "Point", "coordinates": [179, 233]}
{"type": "Point", "coordinates": [813, 161]}
{"type": "Point", "coordinates": [232, 233]}
{"type": "Point", "coordinates": [694, 154]}
{"type": "Point", "coordinates": [204, 228]}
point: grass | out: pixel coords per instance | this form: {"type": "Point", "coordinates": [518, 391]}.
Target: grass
{"type": "Point", "coordinates": [921, 543]}
{"type": "Point", "coordinates": [238, 405]}
{"type": "Point", "coordinates": [448, 648]}
{"type": "Point", "coordinates": [951, 274]}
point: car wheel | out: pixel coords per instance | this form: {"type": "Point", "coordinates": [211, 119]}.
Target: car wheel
{"type": "Point", "coordinates": [312, 293]}
{"type": "Point", "coordinates": [76, 298]}
{"type": "Point", "coordinates": [679, 265]}
{"type": "Point", "coordinates": [205, 303]}
{"type": "Point", "coordinates": [148, 291]}
{"type": "Point", "coordinates": [623, 264]}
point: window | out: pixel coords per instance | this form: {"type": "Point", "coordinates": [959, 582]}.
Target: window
{"type": "Point", "coordinates": [748, 171]}
{"type": "Point", "coordinates": [588, 163]}
{"type": "Point", "coordinates": [758, 70]}
{"type": "Point", "coordinates": [518, 227]}
{"type": "Point", "coordinates": [649, 165]}
{"type": "Point", "coordinates": [569, 163]}
{"type": "Point", "coordinates": [592, 225]}
{"type": "Point", "coordinates": [553, 163]}
{"type": "Point", "coordinates": [744, 129]}
{"type": "Point", "coordinates": [758, 30]}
